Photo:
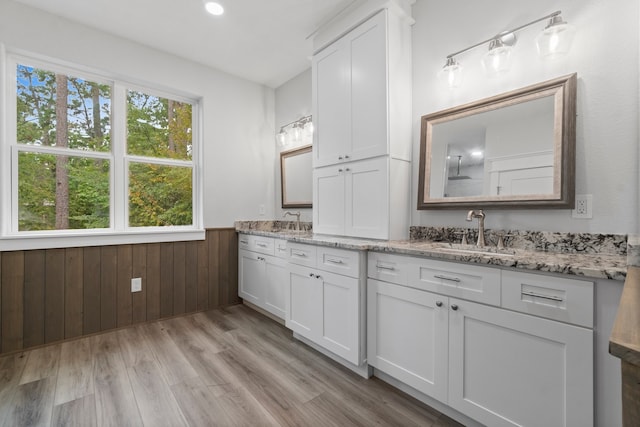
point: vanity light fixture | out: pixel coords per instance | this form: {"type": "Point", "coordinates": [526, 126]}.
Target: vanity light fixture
{"type": "Point", "coordinates": [297, 128]}
{"type": "Point", "coordinates": [554, 40]}
{"type": "Point", "coordinates": [213, 7]}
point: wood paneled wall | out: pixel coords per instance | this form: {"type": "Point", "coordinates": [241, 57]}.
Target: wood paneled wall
{"type": "Point", "coordinates": [55, 294]}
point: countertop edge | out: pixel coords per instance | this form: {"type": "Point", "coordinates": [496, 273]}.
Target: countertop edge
{"type": "Point", "coordinates": [624, 341]}
{"type": "Point", "coordinates": [611, 270]}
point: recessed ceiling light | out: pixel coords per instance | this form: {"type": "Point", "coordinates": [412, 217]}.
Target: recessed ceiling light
{"type": "Point", "coordinates": [214, 8]}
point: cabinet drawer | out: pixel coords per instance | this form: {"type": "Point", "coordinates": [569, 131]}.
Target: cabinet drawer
{"type": "Point", "coordinates": [388, 268]}
{"type": "Point", "coordinates": [464, 281]}
{"type": "Point", "coordinates": [566, 300]}
{"type": "Point", "coordinates": [339, 261]}
{"type": "Point", "coordinates": [280, 248]}
{"type": "Point", "coordinates": [243, 242]}
{"type": "Point", "coordinates": [261, 244]}
{"type": "Point", "coordinates": [302, 254]}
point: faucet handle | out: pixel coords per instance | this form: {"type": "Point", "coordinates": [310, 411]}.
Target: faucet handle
{"type": "Point", "coordinates": [501, 237]}
{"type": "Point", "coordinates": [464, 234]}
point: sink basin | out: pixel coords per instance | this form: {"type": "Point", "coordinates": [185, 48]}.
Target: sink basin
{"type": "Point", "coordinates": [472, 251]}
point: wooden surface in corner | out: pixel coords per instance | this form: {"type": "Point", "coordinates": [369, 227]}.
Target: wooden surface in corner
{"type": "Point", "coordinates": [56, 294]}
{"type": "Point", "coordinates": [624, 341]}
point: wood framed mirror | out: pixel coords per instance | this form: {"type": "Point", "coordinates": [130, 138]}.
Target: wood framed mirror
{"type": "Point", "coordinates": [296, 177]}
{"type": "Point", "coordinates": [514, 150]}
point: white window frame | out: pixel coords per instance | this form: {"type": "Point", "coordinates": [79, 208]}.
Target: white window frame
{"type": "Point", "coordinates": [119, 231]}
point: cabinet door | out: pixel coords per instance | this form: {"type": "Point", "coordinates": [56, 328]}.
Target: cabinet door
{"type": "Point", "coordinates": [332, 107]}
{"type": "Point", "coordinates": [367, 198]}
{"type": "Point", "coordinates": [369, 117]}
{"type": "Point", "coordinates": [328, 200]}
{"type": "Point", "coordinates": [277, 278]}
{"type": "Point", "coordinates": [340, 307]}
{"type": "Point", "coordinates": [407, 336]}
{"type": "Point", "coordinates": [251, 277]}
{"type": "Point", "coordinates": [512, 369]}
{"type": "Point", "coordinates": [304, 307]}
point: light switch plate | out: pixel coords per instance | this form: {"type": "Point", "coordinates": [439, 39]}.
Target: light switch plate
{"type": "Point", "coordinates": [136, 284]}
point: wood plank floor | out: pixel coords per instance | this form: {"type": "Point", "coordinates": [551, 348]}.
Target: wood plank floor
{"type": "Point", "coordinates": [225, 367]}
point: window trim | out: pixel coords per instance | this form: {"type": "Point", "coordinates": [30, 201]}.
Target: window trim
{"type": "Point", "coordinates": [119, 231]}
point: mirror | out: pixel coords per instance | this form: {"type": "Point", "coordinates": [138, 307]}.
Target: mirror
{"type": "Point", "coordinates": [515, 150]}
{"type": "Point", "coordinates": [296, 177]}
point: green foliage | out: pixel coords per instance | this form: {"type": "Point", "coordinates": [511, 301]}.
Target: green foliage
{"type": "Point", "coordinates": [159, 195]}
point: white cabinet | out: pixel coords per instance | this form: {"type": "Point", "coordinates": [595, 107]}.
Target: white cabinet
{"type": "Point", "coordinates": [262, 278]}
{"type": "Point", "coordinates": [512, 369]}
{"type": "Point", "coordinates": [407, 336]}
{"type": "Point", "coordinates": [350, 93]}
{"type": "Point", "coordinates": [326, 294]}
{"type": "Point", "coordinates": [491, 363]}
{"type": "Point", "coordinates": [362, 142]}
{"type": "Point", "coordinates": [352, 199]}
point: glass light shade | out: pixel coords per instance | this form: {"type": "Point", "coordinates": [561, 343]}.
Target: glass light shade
{"type": "Point", "coordinates": [297, 132]}
{"type": "Point", "coordinates": [497, 60]}
{"type": "Point", "coordinates": [451, 73]}
{"type": "Point", "coordinates": [309, 128]}
{"type": "Point", "coordinates": [214, 8]}
{"type": "Point", "coordinates": [555, 39]}
{"type": "Point", "coordinates": [281, 138]}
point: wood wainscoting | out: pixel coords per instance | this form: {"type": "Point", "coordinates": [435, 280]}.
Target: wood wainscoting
{"type": "Point", "coordinates": [56, 294]}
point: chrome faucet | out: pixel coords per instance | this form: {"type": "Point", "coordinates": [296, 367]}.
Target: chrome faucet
{"type": "Point", "coordinates": [480, 215]}
{"type": "Point", "coordinates": [297, 215]}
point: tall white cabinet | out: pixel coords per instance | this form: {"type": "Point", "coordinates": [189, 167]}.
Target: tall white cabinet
{"type": "Point", "coordinates": [362, 143]}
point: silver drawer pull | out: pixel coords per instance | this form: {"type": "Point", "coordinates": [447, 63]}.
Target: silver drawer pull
{"type": "Point", "coordinates": [260, 258]}
{"type": "Point", "coordinates": [550, 297]}
{"type": "Point", "coordinates": [244, 242]}
{"type": "Point", "coordinates": [296, 253]}
{"type": "Point", "coordinates": [262, 245]}
{"type": "Point", "coordinates": [451, 279]}
{"type": "Point", "coordinates": [385, 267]}
{"type": "Point", "coordinates": [334, 261]}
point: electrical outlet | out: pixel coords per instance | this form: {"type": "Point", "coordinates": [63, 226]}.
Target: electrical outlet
{"type": "Point", "coordinates": [262, 209]}
{"type": "Point", "coordinates": [136, 284]}
{"type": "Point", "coordinates": [583, 208]}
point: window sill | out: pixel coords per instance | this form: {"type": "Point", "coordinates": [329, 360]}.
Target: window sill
{"type": "Point", "coordinates": [74, 240]}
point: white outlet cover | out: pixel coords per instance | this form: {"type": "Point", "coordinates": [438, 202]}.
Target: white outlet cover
{"type": "Point", "coordinates": [583, 207]}
{"type": "Point", "coordinates": [136, 284]}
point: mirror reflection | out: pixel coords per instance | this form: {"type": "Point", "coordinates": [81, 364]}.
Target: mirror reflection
{"type": "Point", "coordinates": [296, 177]}
{"type": "Point", "coordinates": [513, 150]}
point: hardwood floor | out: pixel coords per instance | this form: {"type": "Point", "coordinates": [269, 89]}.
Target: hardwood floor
{"type": "Point", "coordinates": [225, 367]}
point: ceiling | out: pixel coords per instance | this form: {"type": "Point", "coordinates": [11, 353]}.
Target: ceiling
{"type": "Point", "coordinates": [264, 41]}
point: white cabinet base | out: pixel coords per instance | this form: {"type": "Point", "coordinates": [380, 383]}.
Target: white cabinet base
{"type": "Point", "coordinates": [363, 369]}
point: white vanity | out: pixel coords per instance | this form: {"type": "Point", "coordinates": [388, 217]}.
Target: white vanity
{"type": "Point", "coordinates": [503, 347]}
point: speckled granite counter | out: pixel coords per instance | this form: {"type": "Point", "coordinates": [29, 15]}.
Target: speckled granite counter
{"type": "Point", "coordinates": [594, 256]}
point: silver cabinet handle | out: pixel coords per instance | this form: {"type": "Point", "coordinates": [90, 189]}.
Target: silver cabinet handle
{"type": "Point", "coordinates": [549, 297]}
{"type": "Point", "coordinates": [316, 276]}
{"type": "Point", "coordinates": [346, 156]}
{"type": "Point", "coordinates": [311, 275]}
{"type": "Point", "coordinates": [339, 157]}
{"type": "Point", "coordinates": [260, 258]}
{"type": "Point", "coordinates": [451, 279]}
{"type": "Point", "coordinates": [385, 267]}
{"type": "Point", "coordinates": [262, 245]}
{"type": "Point", "coordinates": [300, 254]}
{"type": "Point", "coordinates": [454, 307]}
{"type": "Point", "coordinates": [339, 170]}
{"type": "Point", "coordinates": [439, 303]}
{"type": "Point", "coordinates": [334, 261]}
{"type": "Point", "coordinates": [245, 242]}
{"type": "Point", "coordinates": [347, 169]}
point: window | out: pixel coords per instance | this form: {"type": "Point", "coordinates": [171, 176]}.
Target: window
{"type": "Point", "coordinates": [90, 155]}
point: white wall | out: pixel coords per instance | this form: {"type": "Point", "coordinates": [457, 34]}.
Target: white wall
{"type": "Point", "coordinates": [605, 56]}
{"type": "Point", "coordinates": [238, 115]}
{"type": "Point", "coordinates": [293, 101]}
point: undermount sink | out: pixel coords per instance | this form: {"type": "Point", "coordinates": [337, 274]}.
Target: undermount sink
{"type": "Point", "coordinates": [479, 251]}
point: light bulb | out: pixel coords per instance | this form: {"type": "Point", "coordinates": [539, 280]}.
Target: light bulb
{"type": "Point", "coordinates": [214, 8]}
{"type": "Point", "coordinates": [497, 60]}
{"type": "Point", "coordinates": [555, 39]}
{"type": "Point", "coordinates": [451, 73]}
{"type": "Point", "coordinates": [281, 137]}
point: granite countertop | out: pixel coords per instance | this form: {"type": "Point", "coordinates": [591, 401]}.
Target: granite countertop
{"type": "Point", "coordinates": [610, 263]}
